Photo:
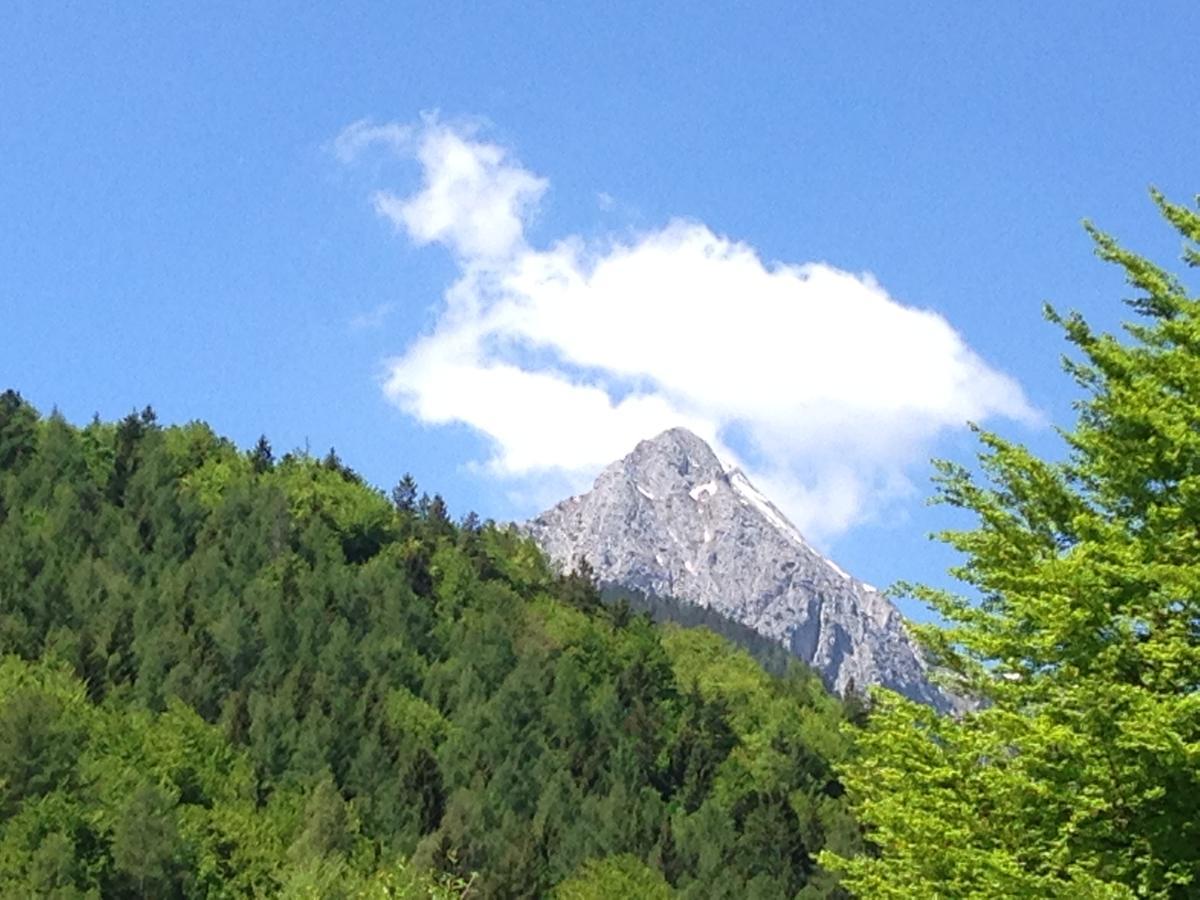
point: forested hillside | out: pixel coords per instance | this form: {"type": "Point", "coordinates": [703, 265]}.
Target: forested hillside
{"type": "Point", "coordinates": [229, 675]}
{"type": "Point", "coordinates": [771, 655]}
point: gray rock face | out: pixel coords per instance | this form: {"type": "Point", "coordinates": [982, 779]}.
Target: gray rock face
{"type": "Point", "coordinates": [669, 519]}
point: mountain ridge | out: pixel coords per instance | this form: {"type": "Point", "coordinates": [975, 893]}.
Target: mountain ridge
{"type": "Point", "coordinates": [670, 519]}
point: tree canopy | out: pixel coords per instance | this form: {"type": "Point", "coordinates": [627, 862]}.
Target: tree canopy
{"type": "Point", "coordinates": [232, 674]}
{"type": "Point", "coordinates": [1080, 776]}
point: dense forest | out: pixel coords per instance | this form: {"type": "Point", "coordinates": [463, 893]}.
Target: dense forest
{"type": "Point", "coordinates": [769, 654]}
{"type": "Point", "coordinates": [226, 674]}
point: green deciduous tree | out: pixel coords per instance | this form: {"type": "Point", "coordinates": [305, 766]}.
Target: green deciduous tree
{"type": "Point", "coordinates": [614, 876]}
{"type": "Point", "coordinates": [145, 841]}
{"type": "Point", "coordinates": [38, 744]}
{"type": "Point", "coordinates": [1080, 776]}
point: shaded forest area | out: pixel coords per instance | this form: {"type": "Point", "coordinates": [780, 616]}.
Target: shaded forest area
{"type": "Point", "coordinates": [768, 653]}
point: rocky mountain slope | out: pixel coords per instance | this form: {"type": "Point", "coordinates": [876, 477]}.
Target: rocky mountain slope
{"type": "Point", "coordinates": [670, 520]}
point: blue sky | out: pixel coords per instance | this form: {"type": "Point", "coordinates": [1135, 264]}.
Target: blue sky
{"type": "Point", "coordinates": [178, 226]}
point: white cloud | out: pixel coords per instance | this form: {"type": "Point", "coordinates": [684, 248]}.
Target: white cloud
{"type": "Point", "coordinates": [566, 356]}
{"type": "Point", "coordinates": [364, 133]}
{"type": "Point", "coordinates": [474, 198]}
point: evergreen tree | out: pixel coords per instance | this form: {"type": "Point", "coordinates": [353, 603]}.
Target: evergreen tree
{"type": "Point", "coordinates": [1080, 776]}
{"type": "Point", "coordinates": [18, 429]}
{"type": "Point", "coordinates": [404, 494]}
{"type": "Point", "coordinates": [438, 513]}
{"type": "Point", "coordinates": [261, 457]}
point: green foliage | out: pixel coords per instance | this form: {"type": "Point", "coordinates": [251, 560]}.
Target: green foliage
{"type": "Point", "coordinates": [145, 839]}
{"type": "Point", "coordinates": [1079, 777]}
{"type": "Point", "coordinates": [769, 654]}
{"type": "Point", "coordinates": [614, 876]}
{"type": "Point", "coordinates": [18, 429]}
{"type": "Point", "coordinates": [229, 675]}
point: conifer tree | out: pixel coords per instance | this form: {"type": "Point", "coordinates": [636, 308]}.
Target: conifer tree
{"type": "Point", "coordinates": [404, 494]}
{"type": "Point", "coordinates": [261, 457]}
{"type": "Point", "coordinates": [18, 429]}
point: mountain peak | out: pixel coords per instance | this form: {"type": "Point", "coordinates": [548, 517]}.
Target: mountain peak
{"type": "Point", "coordinates": [678, 437]}
{"type": "Point", "coordinates": [675, 459]}
{"type": "Point", "coordinates": [670, 520]}
{"type": "Point", "coordinates": [680, 444]}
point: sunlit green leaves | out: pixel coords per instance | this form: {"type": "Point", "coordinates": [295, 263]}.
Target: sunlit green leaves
{"type": "Point", "coordinates": [1079, 776]}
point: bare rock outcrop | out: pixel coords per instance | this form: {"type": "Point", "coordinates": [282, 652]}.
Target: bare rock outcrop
{"type": "Point", "coordinates": [670, 519]}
